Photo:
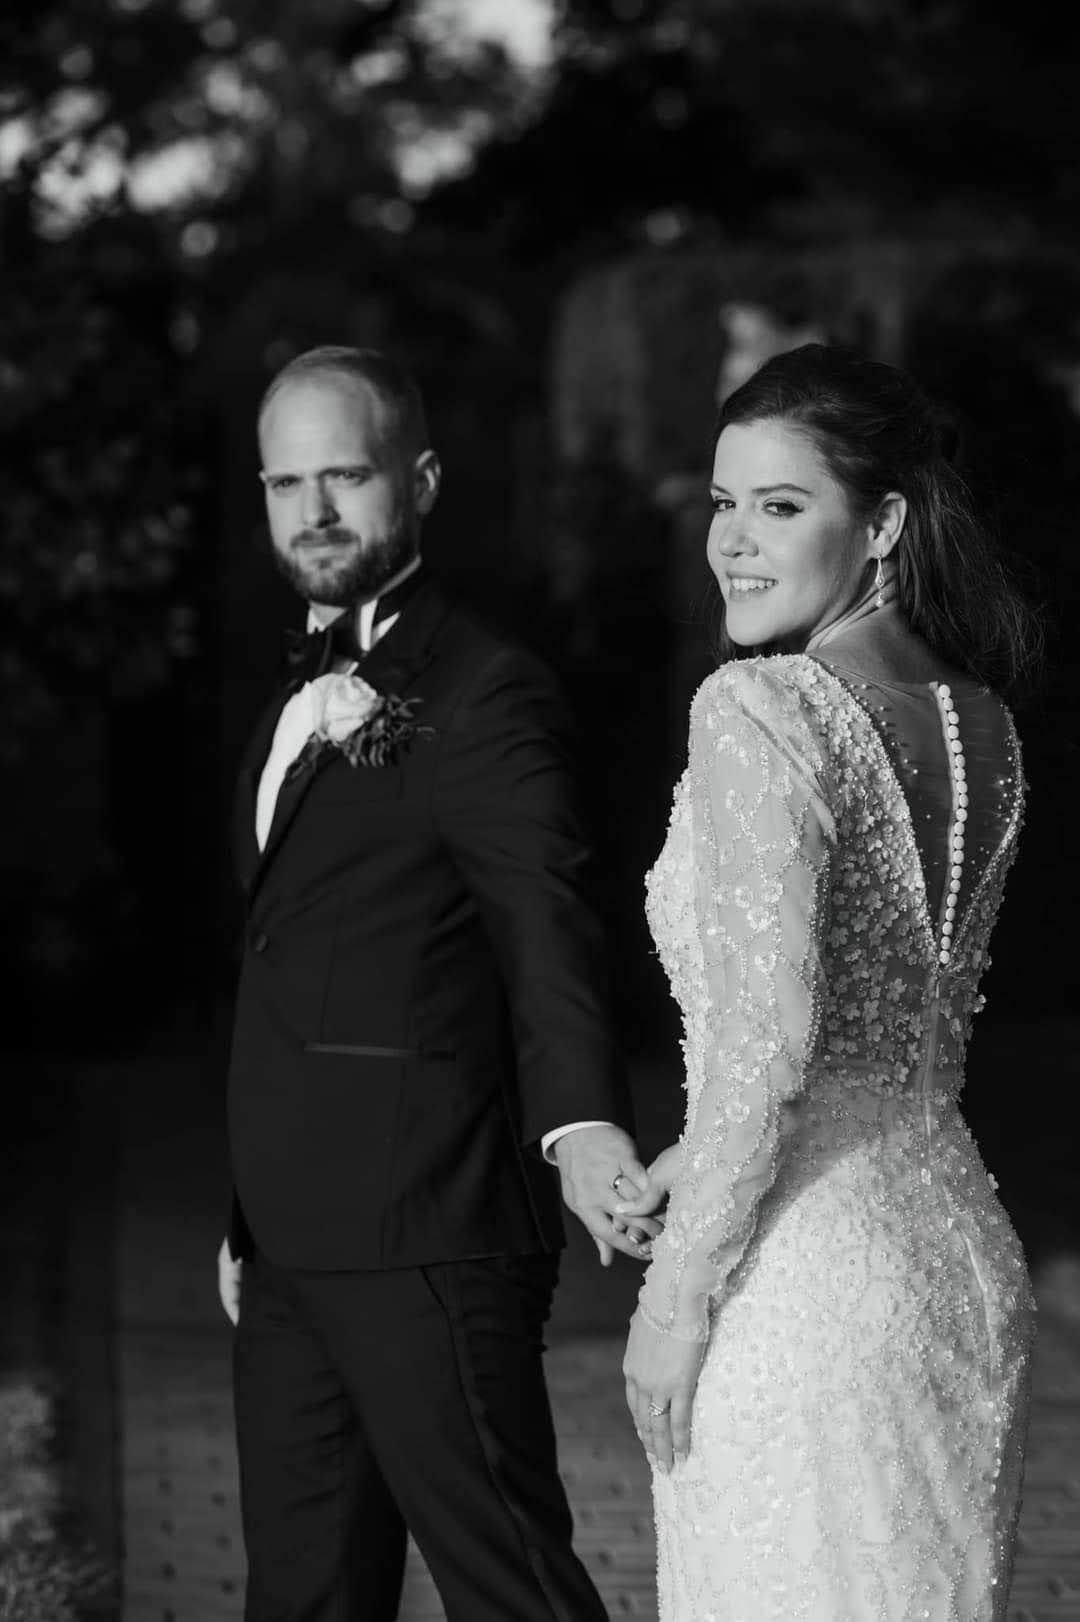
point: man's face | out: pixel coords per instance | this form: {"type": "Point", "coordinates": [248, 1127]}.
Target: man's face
{"type": "Point", "coordinates": [343, 502]}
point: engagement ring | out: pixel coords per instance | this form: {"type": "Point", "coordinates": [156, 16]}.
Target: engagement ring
{"type": "Point", "coordinates": [616, 1180]}
{"type": "Point", "coordinates": [655, 1411]}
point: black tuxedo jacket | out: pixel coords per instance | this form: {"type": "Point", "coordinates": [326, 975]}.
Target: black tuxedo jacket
{"type": "Point", "coordinates": [423, 992]}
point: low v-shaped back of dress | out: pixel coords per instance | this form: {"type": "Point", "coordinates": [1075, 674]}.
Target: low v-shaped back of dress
{"type": "Point", "coordinates": [908, 719]}
{"type": "Point", "coordinates": [934, 773]}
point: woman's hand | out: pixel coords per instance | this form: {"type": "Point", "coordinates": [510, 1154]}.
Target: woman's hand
{"type": "Point", "coordinates": [661, 1377]}
{"type": "Point", "coordinates": [661, 1175]}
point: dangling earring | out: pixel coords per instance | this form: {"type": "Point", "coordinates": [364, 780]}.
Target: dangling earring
{"type": "Point", "coordinates": [879, 583]}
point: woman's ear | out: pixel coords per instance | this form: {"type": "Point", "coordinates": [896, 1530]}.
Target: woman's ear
{"type": "Point", "coordinates": [888, 524]}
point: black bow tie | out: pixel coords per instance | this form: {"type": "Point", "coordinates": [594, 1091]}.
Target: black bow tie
{"type": "Point", "coordinates": [310, 654]}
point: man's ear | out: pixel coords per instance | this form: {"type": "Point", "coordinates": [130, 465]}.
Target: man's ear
{"type": "Point", "coordinates": [427, 477]}
{"type": "Point", "coordinates": [888, 524]}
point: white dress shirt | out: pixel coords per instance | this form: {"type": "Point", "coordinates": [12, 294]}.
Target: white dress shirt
{"type": "Point", "coordinates": [296, 722]}
{"type": "Point", "coordinates": [294, 728]}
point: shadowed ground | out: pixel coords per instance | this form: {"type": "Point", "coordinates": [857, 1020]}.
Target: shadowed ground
{"type": "Point", "coordinates": [113, 1206]}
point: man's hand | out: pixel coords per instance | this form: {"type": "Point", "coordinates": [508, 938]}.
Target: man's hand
{"type": "Point", "coordinates": [590, 1160]}
{"type": "Point", "coordinates": [229, 1275]}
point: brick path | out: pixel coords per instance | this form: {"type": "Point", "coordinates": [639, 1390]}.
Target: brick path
{"type": "Point", "coordinates": [183, 1556]}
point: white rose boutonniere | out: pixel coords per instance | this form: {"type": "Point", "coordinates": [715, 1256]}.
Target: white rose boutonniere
{"type": "Point", "coordinates": [366, 726]}
{"type": "Point", "coordinates": [340, 704]}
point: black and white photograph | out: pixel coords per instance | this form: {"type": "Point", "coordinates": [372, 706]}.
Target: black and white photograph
{"type": "Point", "coordinates": [539, 766]}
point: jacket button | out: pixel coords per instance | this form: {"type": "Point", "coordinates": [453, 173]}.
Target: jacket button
{"type": "Point", "coordinates": [260, 941]}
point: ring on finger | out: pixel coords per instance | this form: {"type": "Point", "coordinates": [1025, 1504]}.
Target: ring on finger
{"type": "Point", "coordinates": [616, 1180]}
{"type": "Point", "coordinates": [657, 1413]}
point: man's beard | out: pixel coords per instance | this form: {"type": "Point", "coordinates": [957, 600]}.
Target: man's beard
{"type": "Point", "coordinates": [360, 572]}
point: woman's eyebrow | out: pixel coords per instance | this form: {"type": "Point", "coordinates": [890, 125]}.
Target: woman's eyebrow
{"type": "Point", "coordinates": [766, 489]}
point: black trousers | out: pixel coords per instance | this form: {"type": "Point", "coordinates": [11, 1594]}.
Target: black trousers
{"type": "Point", "coordinates": [368, 1403]}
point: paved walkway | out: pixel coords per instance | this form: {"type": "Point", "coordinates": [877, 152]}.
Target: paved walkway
{"type": "Point", "coordinates": [183, 1554]}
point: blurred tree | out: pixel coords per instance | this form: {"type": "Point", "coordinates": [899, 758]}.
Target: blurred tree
{"type": "Point", "coordinates": [166, 164]}
{"type": "Point", "coordinates": [809, 115]}
{"type": "Point", "coordinates": [168, 170]}
{"type": "Point", "coordinates": [95, 484]}
{"type": "Point", "coordinates": [160, 160]}
{"type": "Point", "coordinates": [190, 190]}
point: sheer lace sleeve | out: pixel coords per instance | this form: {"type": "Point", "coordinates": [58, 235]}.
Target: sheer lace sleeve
{"type": "Point", "coordinates": [762, 838]}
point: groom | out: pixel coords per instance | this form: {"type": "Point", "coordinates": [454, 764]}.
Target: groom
{"type": "Point", "coordinates": [421, 1023]}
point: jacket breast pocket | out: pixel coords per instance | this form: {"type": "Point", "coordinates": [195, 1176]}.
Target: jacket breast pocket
{"type": "Point", "coordinates": [359, 1050]}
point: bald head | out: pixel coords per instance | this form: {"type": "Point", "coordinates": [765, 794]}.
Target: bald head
{"type": "Point", "coordinates": [366, 374]}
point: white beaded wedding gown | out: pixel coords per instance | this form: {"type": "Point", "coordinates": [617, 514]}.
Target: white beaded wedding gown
{"type": "Point", "coordinates": [822, 905]}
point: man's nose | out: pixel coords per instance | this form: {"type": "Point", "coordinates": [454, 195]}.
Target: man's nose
{"type": "Point", "coordinates": [318, 507]}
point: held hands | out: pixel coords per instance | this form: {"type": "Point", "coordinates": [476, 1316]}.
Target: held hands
{"type": "Point", "coordinates": [661, 1375]}
{"type": "Point", "coordinates": [229, 1275]}
{"type": "Point", "coordinates": [658, 1180]}
{"type": "Point", "coordinates": [590, 1159]}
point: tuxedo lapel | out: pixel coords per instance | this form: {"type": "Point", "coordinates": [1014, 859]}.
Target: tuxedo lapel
{"type": "Point", "coordinates": [290, 798]}
{"type": "Point", "coordinates": [392, 666]}
{"type": "Point", "coordinates": [397, 658]}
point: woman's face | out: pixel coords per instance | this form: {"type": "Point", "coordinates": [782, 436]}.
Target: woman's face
{"type": "Point", "coordinates": [785, 545]}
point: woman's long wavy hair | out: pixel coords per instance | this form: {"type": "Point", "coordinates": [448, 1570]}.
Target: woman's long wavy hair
{"type": "Point", "coordinates": [876, 431]}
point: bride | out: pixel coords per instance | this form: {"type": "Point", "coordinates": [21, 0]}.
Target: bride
{"type": "Point", "coordinates": [828, 1366]}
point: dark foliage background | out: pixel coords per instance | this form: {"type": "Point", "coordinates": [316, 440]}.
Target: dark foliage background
{"type": "Point", "coordinates": [192, 190]}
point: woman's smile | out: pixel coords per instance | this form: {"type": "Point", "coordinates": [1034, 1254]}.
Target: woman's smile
{"type": "Point", "coordinates": [745, 585]}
